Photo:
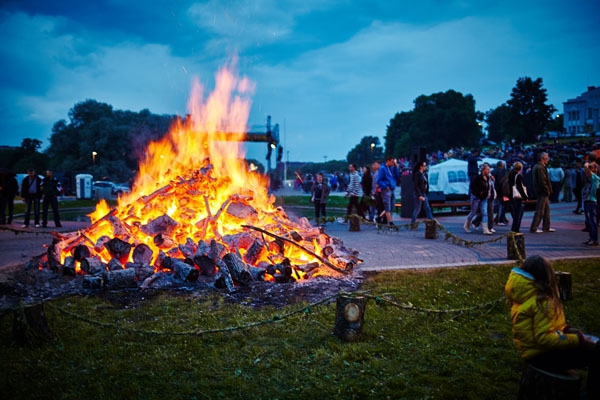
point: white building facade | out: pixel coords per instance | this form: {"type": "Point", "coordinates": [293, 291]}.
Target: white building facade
{"type": "Point", "coordinates": [581, 114]}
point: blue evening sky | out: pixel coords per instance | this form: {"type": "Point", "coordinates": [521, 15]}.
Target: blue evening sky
{"type": "Point", "coordinates": [328, 71]}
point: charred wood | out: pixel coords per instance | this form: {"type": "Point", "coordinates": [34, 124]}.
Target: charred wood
{"type": "Point", "coordinates": [119, 249]}
{"type": "Point", "coordinates": [238, 269]}
{"type": "Point", "coordinates": [184, 271]}
{"type": "Point", "coordinates": [122, 279]}
{"type": "Point", "coordinates": [142, 254]}
{"type": "Point", "coordinates": [92, 266]}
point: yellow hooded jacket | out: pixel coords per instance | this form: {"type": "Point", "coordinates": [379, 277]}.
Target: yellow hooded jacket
{"type": "Point", "coordinates": [534, 331]}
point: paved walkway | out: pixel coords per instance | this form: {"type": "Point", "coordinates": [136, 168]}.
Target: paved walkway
{"type": "Point", "coordinates": [380, 251]}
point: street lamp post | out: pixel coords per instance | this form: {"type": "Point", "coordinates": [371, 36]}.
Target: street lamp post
{"type": "Point", "coordinates": [94, 154]}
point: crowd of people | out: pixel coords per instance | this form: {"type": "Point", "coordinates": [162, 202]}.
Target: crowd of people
{"type": "Point", "coordinates": [39, 195]}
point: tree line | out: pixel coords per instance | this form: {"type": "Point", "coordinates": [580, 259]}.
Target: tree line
{"type": "Point", "coordinates": [109, 143]}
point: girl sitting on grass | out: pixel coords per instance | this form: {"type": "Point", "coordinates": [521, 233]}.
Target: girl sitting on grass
{"type": "Point", "coordinates": [539, 328]}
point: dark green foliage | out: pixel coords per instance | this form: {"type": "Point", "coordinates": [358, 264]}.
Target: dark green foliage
{"type": "Point", "coordinates": [406, 353]}
{"type": "Point", "coordinates": [528, 102]}
{"type": "Point", "coordinates": [367, 151]}
{"type": "Point", "coordinates": [438, 121]}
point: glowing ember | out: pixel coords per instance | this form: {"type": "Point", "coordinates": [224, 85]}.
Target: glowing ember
{"type": "Point", "coordinates": [194, 190]}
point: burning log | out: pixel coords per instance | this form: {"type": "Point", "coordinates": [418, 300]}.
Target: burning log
{"type": "Point", "coordinates": [92, 266]}
{"type": "Point", "coordinates": [324, 261]}
{"type": "Point", "coordinates": [242, 240]}
{"type": "Point", "coordinates": [81, 252]}
{"type": "Point", "coordinates": [142, 254]}
{"type": "Point", "coordinates": [68, 268]}
{"type": "Point", "coordinates": [121, 279]}
{"type": "Point", "coordinates": [184, 271]}
{"type": "Point", "coordinates": [163, 224]}
{"type": "Point", "coordinates": [238, 269]}
{"type": "Point", "coordinates": [188, 249]}
{"type": "Point", "coordinates": [142, 271]}
{"type": "Point", "coordinates": [255, 252]}
{"type": "Point", "coordinates": [101, 243]}
{"type": "Point", "coordinates": [163, 241]}
{"type": "Point", "coordinates": [119, 249]}
{"type": "Point", "coordinates": [114, 265]}
{"type": "Point", "coordinates": [242, 211]}
{"type": "Point", "coordinates": [223, 278]}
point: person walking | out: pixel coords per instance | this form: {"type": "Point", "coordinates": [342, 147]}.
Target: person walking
{"type": "Point", "coordinates": [319, 194]}
{"type": "Point", "coordinates": [568, 185]}
{"type": "Point", "coordinates": [539, 327]}
{"type": "Point", "coordinates": [517, 193]}
{"type": "Point", "coordinates": [500, 204]}
{"type": "Point", "coordinates": [480, 190]}
{"type": "Point", "coordinates": [421, 192]}
{"type": "Point", "coordinates": [590, 202]}
{"type": "Point", "coordinates": [543, 190]}
{"type": "Point", "coordinates": [577, 186]}
{"type": "Point", "coordinates": [376, 207]}
{"type": "Point", "coordinates": [31, 191]}
{"type": "Point", "coordinates": [366, 184]}
{"type": "Point", "coordinates": [9, 187]}
{"type": "Point", "coordinates": [50, 191]}
{"type": "Point", "coordinates": [557, 176]}
{"type": "Point", "coordinates": [353, 192]}
{"type": "Point", "coordinates": [386, 182]}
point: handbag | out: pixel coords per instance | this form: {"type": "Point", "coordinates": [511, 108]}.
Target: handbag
{"type": "Point", "coordinates": [515, 192]}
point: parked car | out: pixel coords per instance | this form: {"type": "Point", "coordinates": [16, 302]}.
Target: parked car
{"type": "Point", "coordinates": [115, 189]}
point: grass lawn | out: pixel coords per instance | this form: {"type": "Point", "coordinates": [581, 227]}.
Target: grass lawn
{"type": "Point", "coordinates": [433, 334]}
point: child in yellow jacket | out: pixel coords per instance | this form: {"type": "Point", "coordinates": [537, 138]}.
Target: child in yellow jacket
{"type": "Point", "coordinates": [539, 327]}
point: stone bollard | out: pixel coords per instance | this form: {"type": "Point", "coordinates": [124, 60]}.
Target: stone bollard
{"type": "Point", "coordinates": [431, 229]}
{"type": "Point", "coordinates": [515, 246]}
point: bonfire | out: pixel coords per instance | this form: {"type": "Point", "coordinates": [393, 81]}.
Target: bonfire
{"type": "Point", "coordinates": [196, 209]}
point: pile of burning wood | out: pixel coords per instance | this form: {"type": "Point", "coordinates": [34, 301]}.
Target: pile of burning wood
{"type": "Point", "coordinates": [174, 232]}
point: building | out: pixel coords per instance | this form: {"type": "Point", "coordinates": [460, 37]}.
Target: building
{"type": "Point", "coordinates": [581, 116]}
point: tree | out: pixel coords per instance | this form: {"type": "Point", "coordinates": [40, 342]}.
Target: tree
{"type": "Point", "coordinates": [367, 151]}
{"type": "Point", "coordinates": [501, 123]}
{"type": "Point", "coordinates": [439, 121]}
{"type": "Point", "coordinates": [528, 102]}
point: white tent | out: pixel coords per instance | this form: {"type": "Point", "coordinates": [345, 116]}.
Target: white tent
{"type": "Point", "coordinates": [450, 177]}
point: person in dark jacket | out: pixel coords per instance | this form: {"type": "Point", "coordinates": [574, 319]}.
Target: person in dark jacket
{"type": "Point", "coordinates": [31, 191]}
{"type": "Point", "coordinates": [9, 187]}
{"type": "Point", "coordinates": [51, 192]}
{"type": "Point", "coordinates": [517, 208]}
{"type": "Point", "coordinates": [543, 190]}
{"type": "Point", "coordinates": [480, 191]}
{"type": "Point", "coordinates": [421, 192]}
{"type": "Point", "coordinates": [366, 184]}
{"type": "Point", "coordinates": [319, 193]}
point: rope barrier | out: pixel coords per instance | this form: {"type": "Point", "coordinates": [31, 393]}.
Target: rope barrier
{"type": "Point", "coordinates": [379, 300]}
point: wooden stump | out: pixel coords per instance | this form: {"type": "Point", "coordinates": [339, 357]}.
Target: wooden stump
{"type": "Point", "coordinates": [30, 325]}
{"type": "Point", "coordinates": [430, 229]}
{"type": "Point", "coordinates": [515, 246]}
{"type": "Point", "coordinates": [564, 285]}
{"type": "Point", "coordinates": [543, 385]}
{"type": "Point", "coordinates": [349, 316]}
{"type": "Point", "coordinates": [354, 223]}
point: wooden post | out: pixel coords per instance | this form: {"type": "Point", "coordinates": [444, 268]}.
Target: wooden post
{"type": "Point", "coordinates": [30, 325]}
{"type": "Point", "coordinates": [539, 384]}
{"type": "Point", "coordinates": [430, 229]}
{"type": "Point", "coordinates": [515, 246]}
{"type": "Point", "coordinates": [349, 316]}
{"type": "Point", "coordinates": [564, 285]}
{"type": "Point", "coordinates": [354, 223]}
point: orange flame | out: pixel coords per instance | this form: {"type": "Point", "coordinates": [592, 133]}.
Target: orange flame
{"type": "Point", "coordinates": [193, 176]}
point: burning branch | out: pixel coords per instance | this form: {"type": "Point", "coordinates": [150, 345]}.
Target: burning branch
{"type": "Point", "coordinates": [324, 261]}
